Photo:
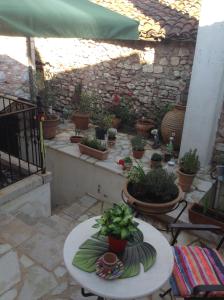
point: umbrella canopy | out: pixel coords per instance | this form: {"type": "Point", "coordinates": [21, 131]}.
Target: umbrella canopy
{"type": "Point", "coordinates": [64, 18]}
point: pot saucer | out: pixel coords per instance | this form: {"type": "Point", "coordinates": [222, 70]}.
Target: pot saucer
{"type": "Point", "coordinates": [109, 274]}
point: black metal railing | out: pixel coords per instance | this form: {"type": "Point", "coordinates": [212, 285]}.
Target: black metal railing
{"type": "Point", "coordinates": [20, 142]}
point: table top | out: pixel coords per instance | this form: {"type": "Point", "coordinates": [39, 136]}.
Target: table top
{"type": "Point", "coordinates": [146, 283]}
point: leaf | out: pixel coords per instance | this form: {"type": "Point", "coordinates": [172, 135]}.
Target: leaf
{"type": "Point", "coordinates": [124, 233]}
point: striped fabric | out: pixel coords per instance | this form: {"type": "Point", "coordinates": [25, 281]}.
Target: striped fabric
{"type": "Point", "coordinates": [196, 266]}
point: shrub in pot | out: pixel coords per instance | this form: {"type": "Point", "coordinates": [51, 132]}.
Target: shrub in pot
{"type": "Point", "coordinates": [189, 164]}
{"type": "Point", "coordinates": [138, 146]}
{"type": "Point", "coordinates": [82, 106]}
{"type": "Point", "coordinates": [156, 160]}
{"type": "Point", "coordinates": [151, 192]}
{"type": "Point", "coordinates": [118, 224]}
{"type": "Point", "coordinates": [111, 137]}
{"type": "Point", "coordinates": [93, 147]}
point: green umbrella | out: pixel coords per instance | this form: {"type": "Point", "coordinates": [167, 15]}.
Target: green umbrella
{"type": "Point", "coordinates": [64, 18]}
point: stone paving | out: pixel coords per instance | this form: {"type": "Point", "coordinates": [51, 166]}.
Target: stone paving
{"type": "Point", "coordinates": [31, 262]}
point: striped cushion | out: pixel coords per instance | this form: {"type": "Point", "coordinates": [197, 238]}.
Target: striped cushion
{"type": "Point", "coordinates": [196, 266]}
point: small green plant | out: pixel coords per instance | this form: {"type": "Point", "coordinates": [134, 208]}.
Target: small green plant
{"type": "Point", "coordinates": [111, 134]}
{"type": "Point", "coordinates": [103, 120]}
{"type": "Point", "coordinates": [128, 160]}
{"type": "Point", "coordinates": [93, 143]}
{"type": "Point", "coordinates": [83, 103]}
{"type": "Point", "coordinates": [138, 143]}
{"type": "Point", "coordinates": [156, 157]}
{"type": "Point", "coordinates": [189, 163]}
{"type": "Point", "coordinates": [117, 222]}
{"type": "Point", "coordinates": [137, 175]}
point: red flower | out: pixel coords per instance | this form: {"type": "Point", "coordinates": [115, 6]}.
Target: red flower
{"type": "Point", "coordinates": [116, 99]}
{"type": "Point", "coordinates": [121, 162]}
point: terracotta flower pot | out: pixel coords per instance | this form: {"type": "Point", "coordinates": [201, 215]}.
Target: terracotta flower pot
{"type": "Point", "coordinates": [116, 245]}
{"type": "Point", "coordinates": [185, 180]}
{"type": "Point", "coordinates": [101, 155]}
{"type": "Point", "coordinates": [173, 122]}
{"type": "Point", "coordinates": [116, 122]}
{"type": "Point", "coordinates": [154, 164]}
{"type": "Point", "coordinates": [81, 120]}
{"type": "Point", "coordinates": [76, 138]}
{"type": "Point", "coordinates": [150, 208]}
{"type": "Point", "coordinates": [138, 153]}
{"type": "Point", "coordinates": [144, 126]}
{"type": "Point", "coordinates": [50, 127]}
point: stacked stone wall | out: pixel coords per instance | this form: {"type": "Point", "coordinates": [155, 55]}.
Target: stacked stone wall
{"type": "Point", "coordinates": [154, 73]}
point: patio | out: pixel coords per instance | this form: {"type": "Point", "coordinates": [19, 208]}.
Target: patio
{"type": "Point", "coordinates": [31, 252]}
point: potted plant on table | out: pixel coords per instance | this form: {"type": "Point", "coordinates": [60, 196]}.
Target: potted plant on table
{"type": "Point", "coordinates": [111, 137]}
{"type": "Point", "coordinates": [188, 166]}
{"type": "Point", "coordinates": [82, 104]}
{"type": "Point", "coordinates": [118, 224]}
{"type": "Point", "coordinates": [93, 147]}
{"type": "Point", "coordinates": [156, 161]}
{"type": "Point", "coordinates": [151, 192]}
{"type": "Point", "coordinates": [138, 146]}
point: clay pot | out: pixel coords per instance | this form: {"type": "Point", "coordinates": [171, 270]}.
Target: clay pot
{"type": "Point", "coordinates": [101, 155]}
{"type": "Point", "coordinates": [154, 164]}
{"type": "Point", "coordinates": [144, 126]}
{"type": "Point", "coordinates": [173, 123]}
{"type": "Point", "coordinates": [185, 180]}
{"type": "Point", "coordinates": [116, 122]}
{"type": "Point", "coordinates": [76, 138]}
{"type": "Point", "coordinates": [50, 126]}
{"type": "Point", "coordinates": [81, 120]}
{"type": "Point", "coordinates": [150, 208]}
{"type": "Point", "coordinates": [138, 154]}
{"type": "Point", "coordinates": [109, 260]}
{"type": "Point", "coordinates": [116, 245]}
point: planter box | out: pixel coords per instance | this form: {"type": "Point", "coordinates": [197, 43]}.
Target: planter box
{"type": "Point", "coordinates": [101, 155]}
{"type": "Point", "coordinates": [212, 216]}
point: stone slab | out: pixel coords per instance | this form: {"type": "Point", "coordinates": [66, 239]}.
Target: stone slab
{"type": "Point", "coordinates": [9, 295]}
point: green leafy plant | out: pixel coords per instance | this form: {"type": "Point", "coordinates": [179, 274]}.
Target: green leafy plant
{"type": "Point", "coordinates": [128, 160]}
{"type": "Point", "coordinates": [138, 143]}
{"type": "Point", "coordinates": [103, 120]}
{"type": "Point", "coordinates": [84, 104]}
{"type": "Point", "coordinates": [118, 222]}
{"type": "Point", "coordinates": [93, 143]}
{"type": "Point", "coordinates": [111, 134]}
{"type": "Point", "coordinates": [156, 185]}
{"type": "Point", "coordinates": [189, 163]}
{"type": "Point", "coordinates": [156, 157]}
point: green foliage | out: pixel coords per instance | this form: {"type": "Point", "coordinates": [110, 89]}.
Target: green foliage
{"type": "Point", "coordinates": [157, 184]}
{"type": "Point", "coordinates": [169, 147]}
{"type": "Point", "coordinates": [138, 143]}
{"type": "Point", "coordinates": [128, 160]}
{"type": "Point", "coordinates": [117, 221]}
{"type": "Point", "coordinates": [111, 134]}
{"type": "Point", "coordinates": [190, 163]}
{"type": "Point", "coordinates": [103, 120]}
{"type": "Point", "coordinates": [156, 157]}
{"type": "Point", "coordinates": [93, 143]}
{"type": "Point", "coordinates": [84, 103]}
{"type": "Point", "coordinates": [160, 112]}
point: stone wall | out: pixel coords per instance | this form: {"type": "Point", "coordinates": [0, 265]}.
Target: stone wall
{"type": "Point", "coordinates": [154, 73]}
{"type": "Point", "coordinates": [219, 143]}
{"type": "Point", "coordinates": [14, 75]}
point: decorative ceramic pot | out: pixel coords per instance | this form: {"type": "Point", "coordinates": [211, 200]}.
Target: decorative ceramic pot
{"type": "Point", "coordinates": [100, 133]}
{"type": "Point", "coordinates": [172, 124]}
{"type": "Point", "coordinates": [50, 127]}
{"type": "Point", "coordinates": [109, 260]}
{"type": "Point", "coordinates": [101, 155]}
{"type": "Point", "coordinates": [185, 180]}
{"type": "Point", "coordinates": [138, 154]}
{"type": "Point", "coordinates": [81, 120]}
{"type": "Point", "coordinates": [144, 127]}
{"type": "Point", "coordinates": [76, 138]}
{"type": "Point", "coordinates": [116, 245]}
{"type": "Point", "coordinates": [116, 122]}
{"type": "Point", "coordinates": [148, 208]}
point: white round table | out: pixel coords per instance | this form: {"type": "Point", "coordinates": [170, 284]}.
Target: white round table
{"type": "Point", "coordinates": [146, 283]}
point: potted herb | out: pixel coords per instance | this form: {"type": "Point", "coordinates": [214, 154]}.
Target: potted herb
{"type": "Point", "coordinates": [111, 137]}
{"type": "Point", "coordinates": [144, 126]}
{"type": "Point", "coordinates": [156, 160]}
{"type": "Point", "coordinates": [93, 147]}
{"type": "Point", "coordinates": [118, 224]}
{"type": "Point", "coordinates": [103, 121]}
{"type": "Point", "coordinates": [77, 137]}
{"type": "Point", "coordinates": [82, 104]}
{"type": "Point", "coordinates": [138, 146]}
{"type": "Point", "coordinates": [188, 166]}
{"type": "Point", "coordinates": [151, 192]}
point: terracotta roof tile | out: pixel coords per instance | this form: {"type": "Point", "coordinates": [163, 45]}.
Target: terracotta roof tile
{"type": "Point", "coordinates": [160, 19]}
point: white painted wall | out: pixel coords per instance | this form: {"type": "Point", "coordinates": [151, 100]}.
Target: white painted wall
{"type": "Point", "coordinates": [207, 83]}
{"type": "Point", "coordinates": [73, 178]}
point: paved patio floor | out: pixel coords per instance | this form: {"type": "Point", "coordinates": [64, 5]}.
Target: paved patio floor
{"type": "Point", "coordinates": [31, 261]}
